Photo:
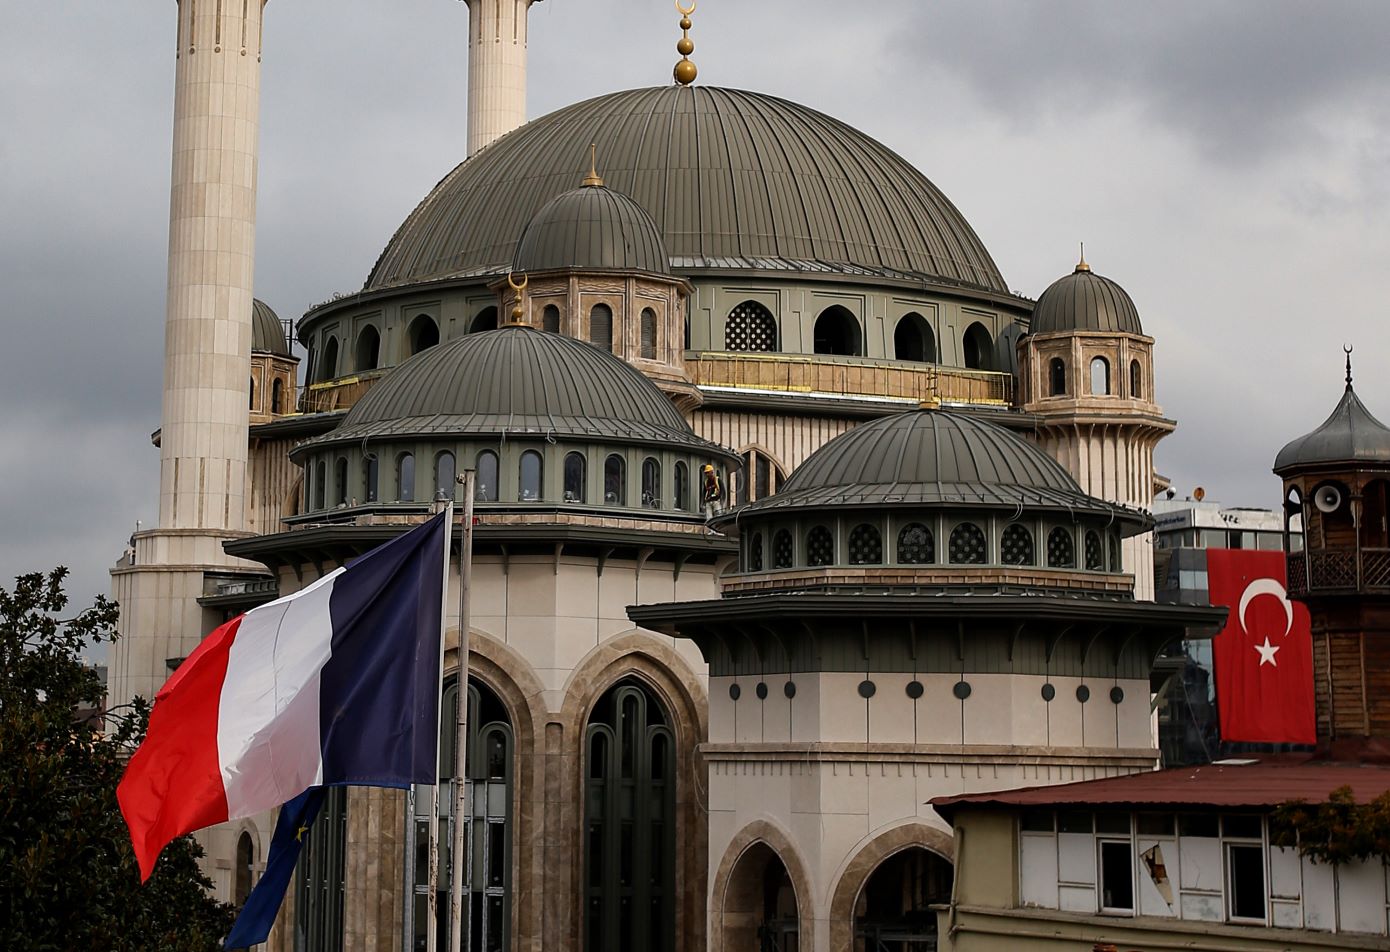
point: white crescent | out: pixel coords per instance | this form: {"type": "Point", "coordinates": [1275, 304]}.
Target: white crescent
{"type": "Point", "coordinates": [1266, 586]}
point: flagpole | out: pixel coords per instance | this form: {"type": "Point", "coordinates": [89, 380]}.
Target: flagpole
{"type": "Point", "coordinates": [458, 864]}
{"type": "Point", "coordinates": [432, 790]}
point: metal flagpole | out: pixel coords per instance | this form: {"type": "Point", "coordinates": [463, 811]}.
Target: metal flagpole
{"type": "Point", "coordinates": [461, 819]}
{"type": "Point", "coordinates": [432, 790]}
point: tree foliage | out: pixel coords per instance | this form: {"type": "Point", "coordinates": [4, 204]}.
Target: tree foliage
{"type": "Point", "coordinates": [68, 878]}
{"type": "Point", "coordinates": [1336, 832]}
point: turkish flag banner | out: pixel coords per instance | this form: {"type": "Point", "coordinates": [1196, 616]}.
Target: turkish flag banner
{"type": "Point", "coordinates": [1264, 655]}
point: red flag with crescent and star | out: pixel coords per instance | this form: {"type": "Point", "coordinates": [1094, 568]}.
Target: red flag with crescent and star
{"type": "Point", "coordinates": [1264, 656]}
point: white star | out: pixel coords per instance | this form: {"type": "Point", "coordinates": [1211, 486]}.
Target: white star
{"type": "Point", "coordinates": [1266, 651]}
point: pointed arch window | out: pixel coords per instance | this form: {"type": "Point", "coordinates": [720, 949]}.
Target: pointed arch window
{"type": "Point", "coordinates": [977, 347]}
{"type": "Point", "coordinates": [760, 477]}
{"type": "Point", "coordinates": [1057, 375]}
{"type": "Point", "coordinates": [576, 467]}
{"type": "Point", "coordinates": [445, 475]}
{"type": "Point", "coordinates": [651, 483]}
{"type": "Point", "coordinates": [486, 489]}
{"type": "Point", "coordinates": [601, 327]}
{"type": "Point", "coordinates": [484, 320]}
{"type": "Point", "coordinates": [629, 823]}
{"type": "Point", "coordinates": [530, 473]}
{"type": "Point", "coordinates": [368, 348]}
{"type": "Point", "coordinates": [750, 328]}
{"type": "Point", "coordinates": [648, 334]}
{"type": "Point", "coordinates": [423, 334]}
{"type": "Point", "coordinates": [837, 331]}
{"type": "Point", "coordinates": [615, 481]}
{"type": "Point", "coordinates": [913, 339]}
{"type": "Point", "coordinates": [405, 477]}
{"type": "Point", "coordinates": [682, 486]}
{"type": "Point", "coordinates": [328, 365]}
{"type": "Point", "coordinates": [245, 869]}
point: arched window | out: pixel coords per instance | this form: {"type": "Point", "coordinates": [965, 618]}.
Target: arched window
{"type": "Point", "coordinates": [750, 327]}
{"type": "Point", "coordinates": [629, 823]}
{"type": "Point", "coordinates": [576, 467]}
{"type": "Point", "coordinates": [837, 332]}
{"type": "Point", "coordinates": [368, 348]}
{"type": "Point", "coordinates": [405, 477]}
{"type": "Point", "coordinates": [253, 393]}
{"type": "Point", "coordinates": [484, 320]}
{"type": "Point", "coordinates": [820, 546]}
{"type": "Point", "coordinates": [1116, 557]}
{"type": "Point", "coordinates": [755, 553]}
{"type": "Point", "coordinates": [1136, 381]}
{"type": "Point", "coordinates": [648, 333]}
{"type": "Point", "coordinates": [1016, 545]}
{"type": "Point", "coordinates": [550, 319]}
{"type": "Point", "coordinates": [423, 334]}
{"type": "Point", "coordinates": [530, 482]}
{"type": "Point", "coordinates": [445, 475]}
{"type": "Point", "coordinates": [1057, 374]}
{"type": "Point", "coordinates": [615, 481]}
{"type": "Point", "coordinates": [865, 545]}
{"type": "Point", "coordinates": [967, 545]}
{"type": "Point", "coordinates": [682, 486]}
{"type": "Point", "coordinates": [1100, 376]}
{"type": "Point", "coordinates": [277, 396]}
{"type": "Point", "coordinates": [1061, 550]}
{"type": "Point", "coordinates": [978, 347]}
{"type": "Point", "coordinates": [340, 482]}
{"type": "Point", "coordinates": [899, 898]}
{"type": "Point", "coordinates": [782, 554]}
{"type": "Point", "coordinates": [245, 860]}
{"type": "Point", "coordinates": [916, 546]}
{"type": "Point", "coordinates": [913, 339]}
{"type": "Point", "coordinates": [371, 477]}
{"type": "Point", "coordinates": [760, 477]}
{"type": "Point", "coordinates": [321, 485]}
{"type": "Point", "coordinates": [651, 483]}
{"type": "Point", "coordinates": [601, 327]}
{"type": "Point", "coordinates": [1095, 552]}
{"type": "Point", "coordinates": [486, 488]}
{"type": "Point", "coordinates": [489, 782]}
{"type": "Point", "coordinates": [328, 366]}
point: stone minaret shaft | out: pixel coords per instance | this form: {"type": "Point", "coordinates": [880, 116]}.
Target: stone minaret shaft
{"type": "Point", "coordinates": [212, 237]}
{"type": "Point", "coordinates": [496, 69]}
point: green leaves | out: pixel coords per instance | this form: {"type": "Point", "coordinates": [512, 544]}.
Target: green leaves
{"type": "Point", "coordinates": [68, 878]}
{"type": "Point", "coordinates": [1336, 832]}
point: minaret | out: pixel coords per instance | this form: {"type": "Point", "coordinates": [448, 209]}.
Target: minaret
{"type": "Point", "coordinates": [1087, 376]}
{"type": "Point", "coordinates": [1337, 491]}
{"type": "Point", "coordinates": [496, 69]}
{"type": "Point", "coordinates": [207, 350]}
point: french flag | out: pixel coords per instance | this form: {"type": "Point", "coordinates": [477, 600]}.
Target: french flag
{"type": "Point", "coordinates": [336, 684]}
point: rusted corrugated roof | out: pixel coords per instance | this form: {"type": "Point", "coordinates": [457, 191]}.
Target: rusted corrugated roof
{"type": "Point", "coordinates": [726, 175]}
{"type": "Point", "coordinates": [1266, 783]}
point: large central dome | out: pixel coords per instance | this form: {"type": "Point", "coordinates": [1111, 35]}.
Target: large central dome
{"type": "Point", "coordinates": [733, 179]}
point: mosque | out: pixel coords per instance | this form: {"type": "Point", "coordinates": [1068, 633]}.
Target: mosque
{"type": "Point", "coordinates": [789, 515]}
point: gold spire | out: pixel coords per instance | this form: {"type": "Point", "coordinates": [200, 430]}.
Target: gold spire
{"type": "Point", "coordinates": [685, 71]}
{"type": "Point", "coordinates": [1082, 265]}
{"type": "Point", "coordinates": [593, 179]}
{"type": "Point", "coordinates": [518, 312]}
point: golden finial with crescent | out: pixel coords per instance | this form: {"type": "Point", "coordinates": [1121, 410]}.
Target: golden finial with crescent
{"type": "Point", "coordinates": [685, 71]}
{"type": "Point", "coordinates": [517, 311]}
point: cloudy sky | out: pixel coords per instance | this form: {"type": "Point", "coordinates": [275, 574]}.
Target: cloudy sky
{"type": "Point", "coordinates": [1228, 162]}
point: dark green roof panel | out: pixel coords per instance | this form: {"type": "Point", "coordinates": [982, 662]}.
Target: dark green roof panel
{"type": "Point", "coordinates": [1349, 435]}
{"type": "Point", "coordinates": [267, 333]}
{"type": "Point", "coordinates": [731, 179]}
{"type": "Point", "coordinates": [1085, 301]}
{"type": "Point", "coordinates": [514, 382]}
{"type": "Point", "coordinates": [592, 227]}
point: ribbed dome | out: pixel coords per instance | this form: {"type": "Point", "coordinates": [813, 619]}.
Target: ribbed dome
{"type": "Point", "coordinates": [934, 457]}
{"type": "Point", "coordinates": [1085, 301]}
{"type": "Point", "coordinates": [1349, 435]}
{"type": "Point", "coordinates": [592, 227]}
{"type": "Point", "coordinates": [732, 179]}
{"type": "Point", "coordinates": [267, 333]}
{"type": "Point", "coordinates": [516, 381]}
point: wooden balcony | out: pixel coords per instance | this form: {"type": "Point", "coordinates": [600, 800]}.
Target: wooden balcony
{"type": "Point", "coordinates": [1339, 571]}
{"type": "Point", "coordinates": [339, 394]}
{"type": "Point", "coordinates": [849, 376]}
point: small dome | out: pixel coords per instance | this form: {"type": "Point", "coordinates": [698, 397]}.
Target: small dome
{"type": "Point", "coordinates": [592, 227]}
{"type": "Point", "coordinates": [267, 333]}
{"type": "Point", "coordinates": [1085, 301]}
{"type": "Point", "coordinates": [935, 457]}
{"type": "Point", "coordinates": [517, 381]}
{"type": "Point", "coordinates": [1349, 435]}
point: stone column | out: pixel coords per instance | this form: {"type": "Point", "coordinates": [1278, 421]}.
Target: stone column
{"type": "Point", "coordinates": [212, 231]}
{"type": "Point", "coordinates": [496, 69]}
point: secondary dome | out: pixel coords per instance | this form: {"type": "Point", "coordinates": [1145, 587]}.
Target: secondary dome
{"type": "Point", "coordinates": [513, 381]}
{"type": "Point", "coordinates": [592, 227]}
{"type": "Point", "coordinates": [1349, 435]}
{"type": "Point", "coordinates": [1085, 301]}
{"type": "Point", "coordinates": [732, 179]}
{"type": "Point", "coordinates": [267, 333]}
{"type": "Point", "coordinates": [927, 457]}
